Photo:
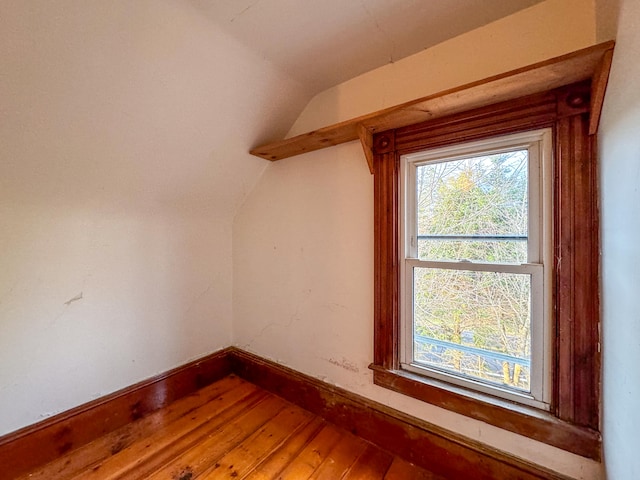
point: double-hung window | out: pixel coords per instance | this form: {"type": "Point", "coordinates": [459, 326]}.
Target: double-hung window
{"type": "Point", "coordinates": [475, 239]}
{"type": "Point", "coordinates": [486, 266]}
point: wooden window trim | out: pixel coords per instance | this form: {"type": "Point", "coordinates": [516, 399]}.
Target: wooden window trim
{"type": "Point", "coordinates": [573, 421]}
{"type": "Point", "coordinates": [591, 62]}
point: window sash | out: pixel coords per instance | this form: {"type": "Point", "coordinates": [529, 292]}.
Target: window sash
{"type": "Point", "coordinates": [538, 144]}
{"type": "Point", "coordinates": [536, 398]}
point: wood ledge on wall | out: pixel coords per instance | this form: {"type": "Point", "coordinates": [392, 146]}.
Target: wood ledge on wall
{"type": "Point", "coordinates": [592, 63]}
{"type": "Point", "coordinates": [422, 443]}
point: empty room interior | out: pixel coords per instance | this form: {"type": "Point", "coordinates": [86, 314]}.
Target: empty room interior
{"type": "Point", "coordinates": [299, 239]}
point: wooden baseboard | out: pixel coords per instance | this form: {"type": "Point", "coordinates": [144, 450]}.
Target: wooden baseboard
{"type": "Point", "coordinates": [427, 445]}
{"type": "Point", "coordinates": [420, 442]}
{"type": "Point", "coordinates": [27, 448]}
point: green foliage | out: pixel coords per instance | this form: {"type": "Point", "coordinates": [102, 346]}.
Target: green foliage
{"type": "Point", "coordinates": [484, 196]}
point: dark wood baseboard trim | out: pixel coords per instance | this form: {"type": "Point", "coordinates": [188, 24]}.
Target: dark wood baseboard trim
{"type": "Point", "coordinates": [29, 447]}
{"type": "Point", "coordinates": [425, 444]}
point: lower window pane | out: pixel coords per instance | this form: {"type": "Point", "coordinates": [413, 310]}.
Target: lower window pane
{"type": "Point", "coordinates": [474, 324]}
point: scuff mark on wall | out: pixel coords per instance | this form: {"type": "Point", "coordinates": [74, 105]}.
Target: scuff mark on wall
{"type": "Point", "coordinates": [10, 291]}
{"type": "Point", "coordinates": [74, 299]}
{"type": "Point", "coordinates": [344, 363]}
{"type": "Point", "coordinates": [336, 307]}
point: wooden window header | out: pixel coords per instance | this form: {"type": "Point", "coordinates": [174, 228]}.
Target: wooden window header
{"type": "Point", "coordinates": [589, 63]}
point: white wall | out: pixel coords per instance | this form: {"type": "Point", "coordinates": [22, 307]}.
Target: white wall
{"type": "Point", "coordinates": [303, 240]}
{"type": "Point", "coordinates": [124, 129]}
{"type": "Point", "coordinates": [620, 180]}
{"type": "Point", "coordinates": [546, 30]}
{"type": "Point", "coordinates": [607, 15]}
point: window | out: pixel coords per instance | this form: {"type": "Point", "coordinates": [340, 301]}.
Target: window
{"type": "Point", "coordinates": [486, 266]}
{"type": "Point", "coordinates": [475, 240]}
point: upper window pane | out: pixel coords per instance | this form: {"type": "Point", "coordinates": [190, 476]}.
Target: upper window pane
{"type": "Point", "coordinates": [474, 209]}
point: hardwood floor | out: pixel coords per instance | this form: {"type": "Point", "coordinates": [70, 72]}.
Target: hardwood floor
{"type": "Point", "coordinates": [231, 429]}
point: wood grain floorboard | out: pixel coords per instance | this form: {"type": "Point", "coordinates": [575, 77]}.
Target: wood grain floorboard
{"type": "Point", "coordinates": [310, 458]}
{"type": "Point", "coordinates": [373, 464]}
{"type": "Point", "coordinates": [278, 460]}
{"type": "Point", "coordinates": [151, 452]}
{"type": "Point", "coordinates": [401, 470]}
{"type": "Point", "coordinates": [340, 459]}
{"type": "Point", "coordinates": [97, 451]}
{"type": "Point", "coordinates": [208, 449]}
{"type": "Point", "coordinates": [229, 430]}
{"type": "Point", "coordinates": [252, 451]}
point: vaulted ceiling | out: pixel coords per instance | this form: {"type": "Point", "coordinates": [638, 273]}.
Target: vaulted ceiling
{"type": "Point", "coordinates": [325, 42]}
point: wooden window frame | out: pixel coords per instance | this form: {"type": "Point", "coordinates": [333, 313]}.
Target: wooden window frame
{"type": "Point", "coordinates": [573, 421]}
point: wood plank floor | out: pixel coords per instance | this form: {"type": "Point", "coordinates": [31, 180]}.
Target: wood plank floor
{"type": "Point", "coordinates": [233, 430]}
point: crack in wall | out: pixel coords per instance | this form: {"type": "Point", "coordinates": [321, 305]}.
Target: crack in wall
{"type": "Point", "coordinates": [294, 318]}
{"type": "Point", "coordinates": [197, 298]}
{"type": "Point", "coordinates": [385, 34]}
{"type": "Point", "coordinates": [249, 7]}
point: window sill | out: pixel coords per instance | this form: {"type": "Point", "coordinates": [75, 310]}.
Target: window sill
{"type": "Point", "coordinates": [523, 420]}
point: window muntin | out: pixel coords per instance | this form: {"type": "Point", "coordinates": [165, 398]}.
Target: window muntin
{"type": "Point", "coordinates": [475, 236]}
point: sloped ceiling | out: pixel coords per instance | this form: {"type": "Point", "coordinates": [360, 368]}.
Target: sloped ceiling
{"type": "Point", "coordinates": [159, 101]}
{"type": "Point", "coordinates": [143, 103]}
{"type": "Point", "coordinates": [325, 42]}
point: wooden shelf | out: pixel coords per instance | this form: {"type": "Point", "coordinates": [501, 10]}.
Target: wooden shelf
{"type": "Point", "coordinates": [590, 63]}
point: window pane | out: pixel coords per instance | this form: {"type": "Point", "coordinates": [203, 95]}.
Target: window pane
{"type": "Point", "coordinates": [474, 209]}
{"type": "Point", "coordinates": [474, 324]}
